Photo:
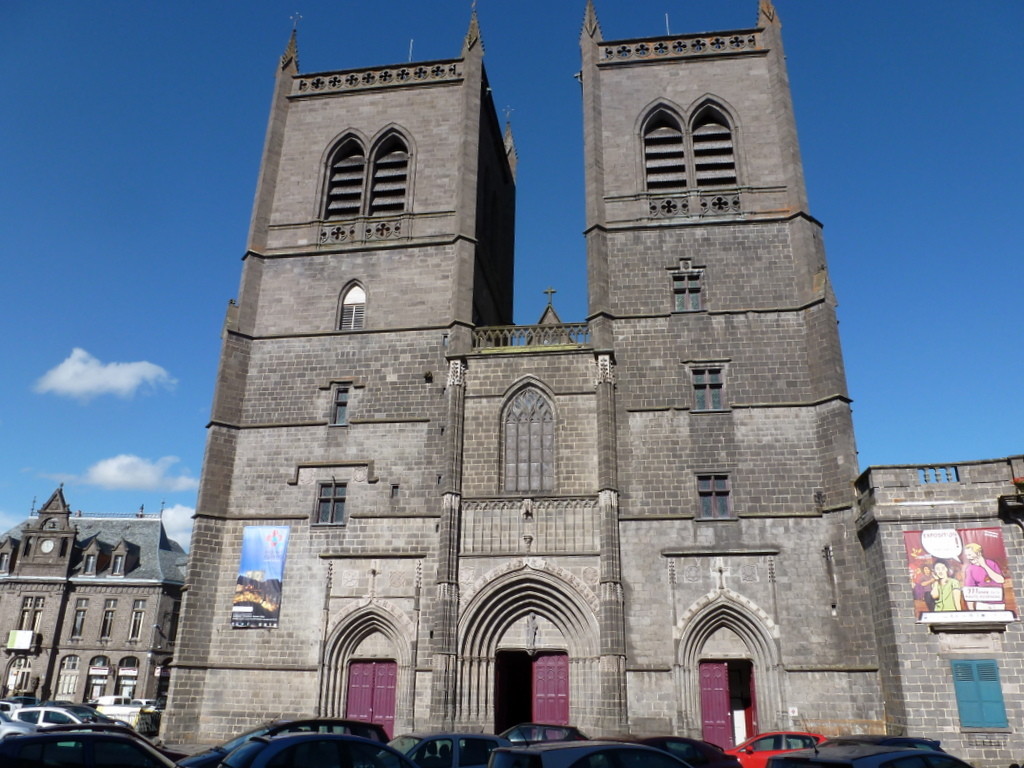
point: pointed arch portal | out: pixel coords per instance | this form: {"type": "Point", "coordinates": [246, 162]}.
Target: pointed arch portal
{"type": "Point", "coordinates": [367, 667]}
{"type": "Point", "coordinates": [728, 668]}
{"type": "Point", "coordinates": [530, 624]}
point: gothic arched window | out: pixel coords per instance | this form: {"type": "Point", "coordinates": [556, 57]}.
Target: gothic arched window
{"type": "Point", "coordinates": [664, 153]}
{"type": "Point", "coordinates": [713, 156]}
{"type": "Point", "coordinates": [346, 172]}
{"type": "Point", "coordinates": [353, 309]}
{"type": "Point", "coordinates": [529, 434]}
{"type": "Point", "coordinates": [390, 177]}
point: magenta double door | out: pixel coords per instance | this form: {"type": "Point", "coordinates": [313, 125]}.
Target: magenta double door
{"type": "Point", "coordinates": [531, 687]}
{"type": "Point", "coordinates": [371, 692]}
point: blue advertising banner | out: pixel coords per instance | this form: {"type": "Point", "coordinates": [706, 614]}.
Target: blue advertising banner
{"type": "Point", "coordinates": [257, 601]}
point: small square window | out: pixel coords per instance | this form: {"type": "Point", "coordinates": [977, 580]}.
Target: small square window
{"type": "Point", "coordinates": [686, 290]}
{"type": "Point", "coordinates": [715, 499]}
{"type": "Point", "coordinates": [395, 491]}
{"type": "Point", "coordinates": [707, 389]}
{"type": "Point", "coordinates": [331, 504]}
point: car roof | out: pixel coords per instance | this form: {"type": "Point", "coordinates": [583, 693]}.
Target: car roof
{"type": "Point", "coordinates": [449, 734]}
{"type": "Point", "coordinates": [553, 746]}
{"type": "Point", "coordinates": [844, 753]}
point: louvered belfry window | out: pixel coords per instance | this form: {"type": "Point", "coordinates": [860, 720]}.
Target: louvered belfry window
{"type": "Point", "coordinates": [664, 154]}
{"type": "Point", "coordinates": [713, 157]}
{"type": "Point", "coordinates": [390, 177]}
{"type": "Point", "coordinates": [529, 443]}
{"type": "Point", "coordinates": [345, 185]}
{"type": "Point", "coordinates": [353, 308]}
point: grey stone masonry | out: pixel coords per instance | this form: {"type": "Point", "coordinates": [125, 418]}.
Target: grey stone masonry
{"type": "Point", "coordinates": [646, 523]}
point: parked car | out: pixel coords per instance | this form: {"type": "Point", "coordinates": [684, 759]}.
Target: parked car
{"type": "Point", "coordinates": [534, 733]}
{"type": "Point", "coordinates": [315, 750]}
{"type": "Point", "coordinates": [23, 701]}
{"type": "Point", "coordinates": [755, 751]}
{"type": "Point", "coordinates": [445, 750]}
{"type": "Point", "coordinates": [9, 726]}
{"type": "Point", "coordinates": [694, 752]}
{"type": "Point", "coordinates": [81, 750]}
{"type": "Point", "coordinates": [881, 739]}
{"type": "Point", "coordinates": [866, 756]}
{"type": "Point", "coordinates": [210, 758]}
{"type": "Point", "coordinates": [123, 730]}
{"type": "Point", "coordinates": [562, 754]}
{"type": "Point", "coordinates": [72, 714]}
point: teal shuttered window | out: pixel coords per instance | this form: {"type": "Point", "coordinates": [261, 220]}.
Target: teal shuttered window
{"type": "Point", "coordinates": [979, 695]}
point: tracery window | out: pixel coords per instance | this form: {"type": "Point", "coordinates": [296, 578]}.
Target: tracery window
{"type": "Point", "coordinates": [701, 156]}
{"type": "Point", "coordinates": [357, 188]}
{"type": "Point", "coordinates": [529, 440]}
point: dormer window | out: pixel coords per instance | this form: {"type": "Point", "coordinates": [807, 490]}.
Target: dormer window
{"type": "Point", "coordinates": [89, 569]}
{"type": "Point", "coordinates": [118, 567]}
{"type": "Point", "coordinates": [5, 562]}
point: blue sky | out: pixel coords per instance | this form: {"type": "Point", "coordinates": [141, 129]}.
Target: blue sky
{"type": "Point", "coordinates": [130, 141]}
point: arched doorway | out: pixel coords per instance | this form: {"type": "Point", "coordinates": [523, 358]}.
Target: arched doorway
{"type": "Point", "coordinates": [728, 669]}
{"type": "Point", "coordinates": [529, 645]}
{"type": "Point", "coordinates": [367, 672]}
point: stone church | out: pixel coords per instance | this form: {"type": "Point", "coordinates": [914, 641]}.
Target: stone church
{"type": "Point", "coordinates": [415, 512]}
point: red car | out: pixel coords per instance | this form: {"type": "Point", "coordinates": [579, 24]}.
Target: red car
{"type": "Point", "coordinates": [755, 751]}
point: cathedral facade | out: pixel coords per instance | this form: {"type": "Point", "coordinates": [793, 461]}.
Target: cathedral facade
{"type": "Point", "coordinates": [416, 512]}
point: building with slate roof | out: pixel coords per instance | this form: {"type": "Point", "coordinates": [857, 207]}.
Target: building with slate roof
{"type": "Point", "coordinates": [88, 605]}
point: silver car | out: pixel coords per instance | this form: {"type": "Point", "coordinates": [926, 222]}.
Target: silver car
{"type": "Point", "coordinates": [9, 727]}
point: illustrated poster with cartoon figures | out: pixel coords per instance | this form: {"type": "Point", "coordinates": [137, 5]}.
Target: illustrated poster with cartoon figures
{"type": "Point", "coordinates": [960, 575]}
{"type": "Point", "coordinates": [257, 600]}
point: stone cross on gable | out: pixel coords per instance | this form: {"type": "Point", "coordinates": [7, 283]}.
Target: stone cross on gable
{"type": "Point", "coordinates": [550, 292]}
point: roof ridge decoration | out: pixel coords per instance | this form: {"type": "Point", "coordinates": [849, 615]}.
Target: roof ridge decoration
{"type": "Point", "coordinates": [766, 10]}
{"type": "Point", "coordinates": [591, 26]}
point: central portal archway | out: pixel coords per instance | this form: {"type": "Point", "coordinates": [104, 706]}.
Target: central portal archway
{"type": "Point", "coordinates": [529, 645]}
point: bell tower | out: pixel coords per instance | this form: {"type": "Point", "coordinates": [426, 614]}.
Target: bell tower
{"type": "Point", "coordinates": [700, 239]}
{"type": "Point", "coordinates": [382, 232]}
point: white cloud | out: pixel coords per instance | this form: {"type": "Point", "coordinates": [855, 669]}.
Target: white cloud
{"type": "Point", "coordinates": [132, 473]}
{"type": "Point", "coordinates": [178, 524]}
{"type": "Point", "coordinates": [84, 377]}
